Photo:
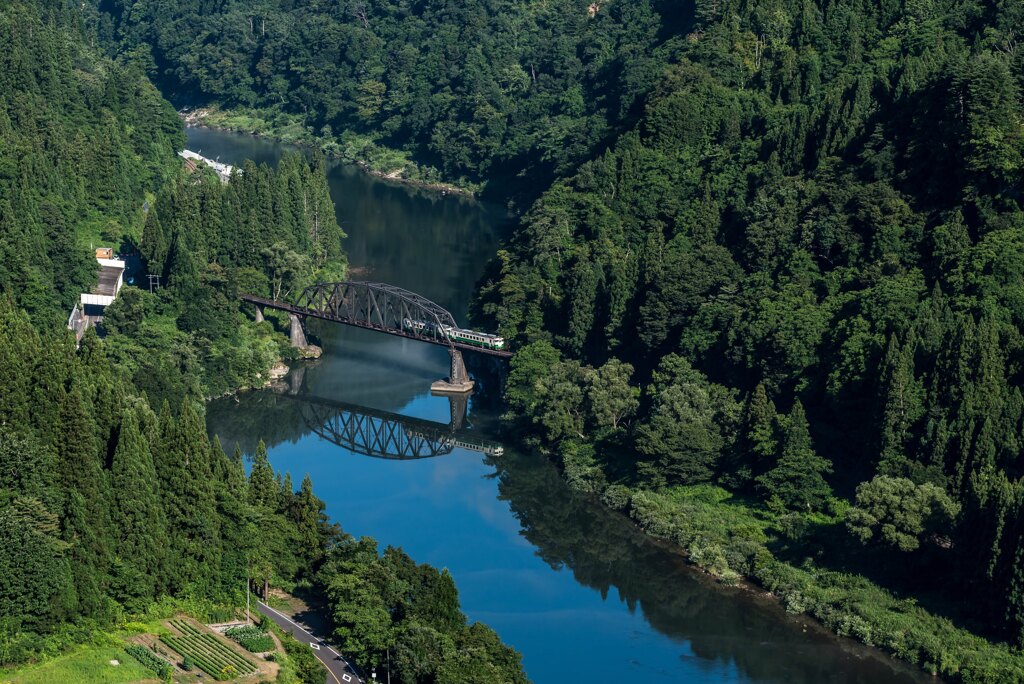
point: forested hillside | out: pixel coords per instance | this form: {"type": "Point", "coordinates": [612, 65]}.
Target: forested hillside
{"type": "Point", "coordinates": [479, 90]}
{"type": "Point", "coordinates": [107, 506]}
{"type": "Point", "coordinates": [109, 510]}
{"type": "Point", "coordinates": [267, 232]}
{"type": "Point", "coordinates": [798, 278]}
{"type": "Point", "coordinates": [771, 308]}
{"type": "Point", "coordinates": [83, 140]}
{"type": "Point", "coordinates": [114, 504]}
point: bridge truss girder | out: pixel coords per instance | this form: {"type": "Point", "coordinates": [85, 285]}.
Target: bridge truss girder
{"type": "Point", "coordinates": [380, 306]}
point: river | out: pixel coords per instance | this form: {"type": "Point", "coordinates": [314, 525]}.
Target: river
{"type": "Point", "coordinates": [576, 588]}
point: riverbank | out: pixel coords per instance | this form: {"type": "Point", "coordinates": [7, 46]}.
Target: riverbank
{"type": "Point", "coordinates": [373, 158]}
{"type": "Point", "coordinates": [736, 540]}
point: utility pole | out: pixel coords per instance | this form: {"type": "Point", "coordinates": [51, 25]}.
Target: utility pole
{"type": "Point", "coordinates": [247, 619]}
{"type": "Point", "coordinates": [154, 282]}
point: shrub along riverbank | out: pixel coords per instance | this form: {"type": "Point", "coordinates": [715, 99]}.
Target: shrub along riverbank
{"type": "Point", "coordinates": [736, 539]}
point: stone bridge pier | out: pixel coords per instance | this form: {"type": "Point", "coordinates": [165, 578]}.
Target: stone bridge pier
{"type": "Point", "coordinates": [458, 380]}
{"type": "Point", "coordinates": [297, 334]}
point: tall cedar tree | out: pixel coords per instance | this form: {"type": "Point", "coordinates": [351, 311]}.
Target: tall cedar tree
{"type": "Point", "coordinates": [183, 469]}
{"type": "Point", "coordinates": [263, 488]}
{"type": "Point", "coordinates": [138, 517]}
{"type": "Point", "coordinates": [797, 479]}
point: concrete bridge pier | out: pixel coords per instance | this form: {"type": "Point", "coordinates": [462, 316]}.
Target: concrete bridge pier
{"type": "Point", "coordinates": [297, 334]}
{"type": "Point", "coordinates": [459, 374]}
{"type": "Point", "coordinates": [259, 313]}
{"type": "Point", "coordinates": [458, 381]}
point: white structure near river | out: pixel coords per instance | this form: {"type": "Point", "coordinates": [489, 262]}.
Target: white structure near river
{"type": "Point", "coordinates": [194, 158]}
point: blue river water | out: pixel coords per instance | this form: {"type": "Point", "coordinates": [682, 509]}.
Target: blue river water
{"type": "Point", "coordinates": [578, 590]}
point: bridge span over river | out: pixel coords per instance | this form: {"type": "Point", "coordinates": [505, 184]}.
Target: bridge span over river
{"type": "Point", "coordinates": [390, 310]}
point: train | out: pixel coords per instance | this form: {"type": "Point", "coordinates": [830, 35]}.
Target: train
{"type": "Point", "coordinates": [471, 337]}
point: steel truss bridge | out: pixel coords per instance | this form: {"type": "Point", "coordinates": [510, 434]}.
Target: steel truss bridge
{"type": "Point", "coordinates": [382, 434]}
{"type": "Point", "coordinates": [375, 306]}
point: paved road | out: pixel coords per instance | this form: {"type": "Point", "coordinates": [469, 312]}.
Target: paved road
{"type": "Point", "coordinates": [338, 669]}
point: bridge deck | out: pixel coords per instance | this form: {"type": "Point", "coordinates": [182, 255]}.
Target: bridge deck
{"type": "Point", "coordinates": [313, 313]}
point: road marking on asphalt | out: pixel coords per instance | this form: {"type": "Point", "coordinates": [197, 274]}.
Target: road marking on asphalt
{"type": "Point", "coordinates": [301, 629]}
{"type": "Point", "coordinates": [315, 647]}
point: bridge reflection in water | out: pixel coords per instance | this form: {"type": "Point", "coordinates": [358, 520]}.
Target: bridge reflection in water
{"type": "Point", "coordinates": [382, 434]}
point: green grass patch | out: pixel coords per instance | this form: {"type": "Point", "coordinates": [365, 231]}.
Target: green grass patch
{"type": "Point", "coordinates": [87, 664]}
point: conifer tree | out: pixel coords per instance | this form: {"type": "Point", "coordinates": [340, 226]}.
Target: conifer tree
{"type": "Point", "coordinates": [88, 577]}
{"type": "Point", "coordinates": [138, 516]}
{"type": "Point", "coordinates": [154, 242]}
{"type": "Point", "coordinates": [183, 467]}
{"type": "Point", "coordinates": [759, 434]}
{"type": "Point", "coordinates": [18, 341]}
{"type": "Point", "coordinates": [98, 386]}
{"type": "Point", "coordinates": [181, 271]}
{"type": "Point", "coordinates": [324, 233]}
{"type": "Point", "coordinates": [903, 397]}
{"type": "Point", "coordinates": [36, 585]}
{"type": "Point", "coordinates": [286, 493]}
{"type": "Point", "coordinates": [86, 514]}
{"type": "Point", "coordinates": [234, 516]}
{"type": "Point", "coordinates": [797, 480]}
{"type": "Point", "coordinates": [310, 523]}
{"type": "Point", "coordinates": [236, 456]}
{"type": "Point", "coordinates": [263, 486]}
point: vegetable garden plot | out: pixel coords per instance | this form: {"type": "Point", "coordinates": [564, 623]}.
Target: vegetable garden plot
{"type": "Point", "coordinates": [209, 653]}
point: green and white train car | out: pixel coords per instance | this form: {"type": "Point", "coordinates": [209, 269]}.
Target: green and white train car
{"type": "Point", "coordinates": [462, 335]}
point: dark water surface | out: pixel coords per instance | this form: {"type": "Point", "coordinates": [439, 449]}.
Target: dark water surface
{"type": "Point", "coordinates": [577, 589]}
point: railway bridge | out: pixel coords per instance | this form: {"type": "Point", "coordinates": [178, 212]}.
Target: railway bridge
{"type": "Point", "coordinates": [390, 310]}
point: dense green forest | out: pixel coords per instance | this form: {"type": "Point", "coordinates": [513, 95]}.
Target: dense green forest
{"type": "Point", "coordinates": [84, 140]}
{"type": "Point", "coordinates": [114, 502]}
{"type": "Point", "coordinates": [477, 90]}
{"type": "Point", "coordinates": [112, 506]}
{"type": "Point", "coordinates": [767, 303]}
{"type": "Point", "coordinates": [267, 231]}
{"type": "Point", "coordinates": [798, 279]}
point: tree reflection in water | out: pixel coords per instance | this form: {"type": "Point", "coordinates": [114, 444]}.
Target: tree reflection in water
{"type": "Point", "coordinates": [713, 625]}
{"type": "Point", "coordinates": [606, 552]}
